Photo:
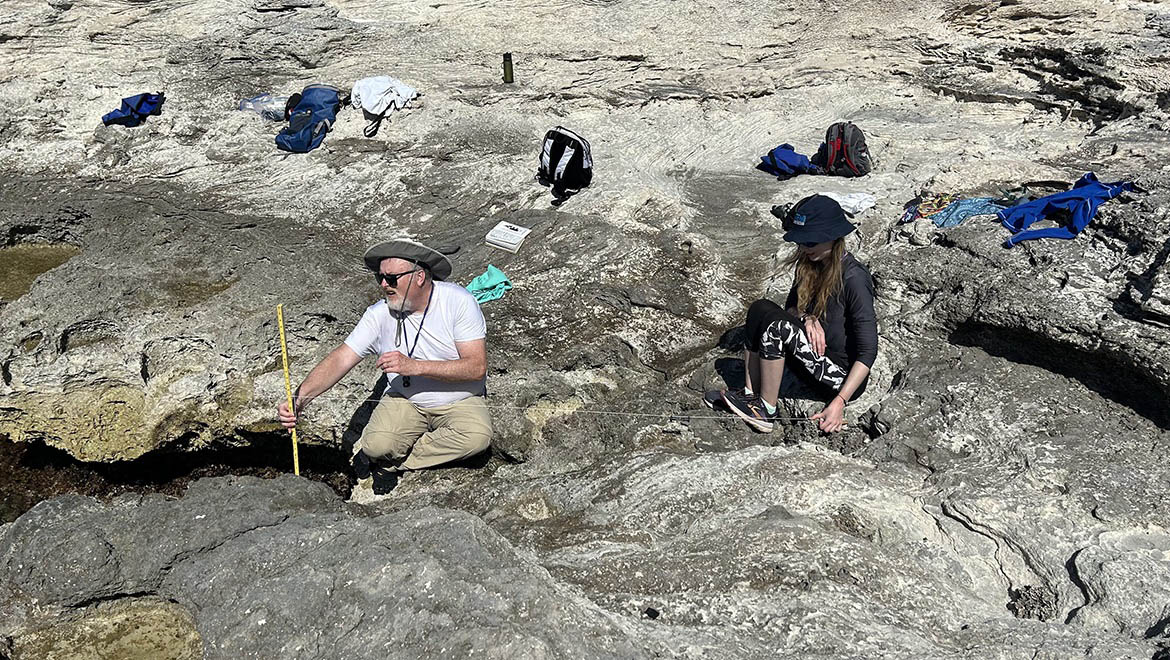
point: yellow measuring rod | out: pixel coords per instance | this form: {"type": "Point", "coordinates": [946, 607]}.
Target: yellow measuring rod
{"type": "Point", "coordinates": [288, 386]}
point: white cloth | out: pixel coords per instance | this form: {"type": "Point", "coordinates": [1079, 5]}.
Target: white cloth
{"type": "Point", "coordinates": [380, 94]}
{"type": "Point", "coordinates": [853, 203]}
{"type": "Point", "coordinates": [453, 315]}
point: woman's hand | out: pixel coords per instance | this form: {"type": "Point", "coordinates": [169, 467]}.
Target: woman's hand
{"type": "Point", "coordinates": [815, 334]}
{"type": "Point", "coordinates": [832, 418]}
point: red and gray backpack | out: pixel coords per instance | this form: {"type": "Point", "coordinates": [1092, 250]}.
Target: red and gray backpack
{"type": "Point", "coordinates": [566, 162]}
{"type": "Point", "coordinates": [844, 152]}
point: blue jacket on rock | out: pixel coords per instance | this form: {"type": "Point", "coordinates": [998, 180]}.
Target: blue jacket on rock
{"type": "Point", "coordinates": [1081, 203]}
{"type": "Point", "coordinates": [784, 162]}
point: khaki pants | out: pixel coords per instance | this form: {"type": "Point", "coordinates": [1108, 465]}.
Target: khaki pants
{"type": "Point", "coordinates": [416, 438]}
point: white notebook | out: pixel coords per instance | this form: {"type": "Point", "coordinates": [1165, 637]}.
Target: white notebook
{"type": "Point", "coordinates": [507, 236]}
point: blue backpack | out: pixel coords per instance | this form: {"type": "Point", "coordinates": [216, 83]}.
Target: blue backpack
{"type": "Point", "coordinates": [310, 118]}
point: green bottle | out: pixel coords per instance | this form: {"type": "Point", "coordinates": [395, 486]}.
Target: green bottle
{"type": "Point", "coordinates": [507, 67]}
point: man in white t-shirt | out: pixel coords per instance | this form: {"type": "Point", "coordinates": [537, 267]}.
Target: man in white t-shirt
{"type": "Point", "coordinates": [429, 336]}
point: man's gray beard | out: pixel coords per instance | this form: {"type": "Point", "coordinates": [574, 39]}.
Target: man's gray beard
{"type": "Point", "coordinates": [402, 306]}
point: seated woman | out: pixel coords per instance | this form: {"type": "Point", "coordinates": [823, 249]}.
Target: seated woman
{"type": "Point", "coordinates": [828, 327]}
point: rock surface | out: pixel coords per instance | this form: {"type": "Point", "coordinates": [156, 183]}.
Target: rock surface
{"type": "Point", "coordinates": [1001, 490]}
{"type": "Point", "coordinates": [130, 628]}
{"type": "Point", "coordinates": [279, 569]}
{"type": "Point", "coordinates": [753, 561]}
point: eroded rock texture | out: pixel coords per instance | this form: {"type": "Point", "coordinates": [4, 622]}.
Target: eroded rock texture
{"type": "Point", "coordinates": [635, 558]}
{"type": "Point", "coordinates": [1000, 492]}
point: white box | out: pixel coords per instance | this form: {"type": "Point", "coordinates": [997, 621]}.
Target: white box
{"type": "Point", "coordinates": [507, 236]}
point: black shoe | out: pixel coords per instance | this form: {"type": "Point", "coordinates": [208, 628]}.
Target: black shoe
{"type": "Point", "coordinates": [751, 409]}
{"type": "Point", "coordinates": [384, 480]}
{"type": "Point", "coordinates": [713, 399]}
{"type": "Point", "coordinates": [361, 465]}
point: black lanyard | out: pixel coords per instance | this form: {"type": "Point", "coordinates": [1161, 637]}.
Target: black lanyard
{"type": "Point", "coordinates": [417, 334]}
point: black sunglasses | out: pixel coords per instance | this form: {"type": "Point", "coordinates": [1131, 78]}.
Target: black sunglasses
{"type": "Point", "coordinates": [808, 245]}
{"type": "Point", "coordinates": [392, 278]}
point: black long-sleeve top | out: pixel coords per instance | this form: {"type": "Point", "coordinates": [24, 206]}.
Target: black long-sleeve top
{"type": "Point", "coordinates": [849, 321]}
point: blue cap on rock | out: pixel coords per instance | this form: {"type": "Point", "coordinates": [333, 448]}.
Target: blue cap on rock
{"type": "Point", "coordinates": [816, 219]}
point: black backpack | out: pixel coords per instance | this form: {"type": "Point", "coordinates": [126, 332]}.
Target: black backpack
{"type": "Point", "coordinates": [843, 152]}
{"type": "Point", "coordinates": [566, 163]}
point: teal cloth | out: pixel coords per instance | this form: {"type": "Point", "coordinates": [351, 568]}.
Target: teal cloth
{"type": "Point", "coordinates": [489, 286]}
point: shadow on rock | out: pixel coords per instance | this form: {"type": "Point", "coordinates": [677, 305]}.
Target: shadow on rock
{"type": "Point", "coordinates": [1099, 372]}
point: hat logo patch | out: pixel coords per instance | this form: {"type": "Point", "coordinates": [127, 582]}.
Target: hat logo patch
{"type": "Point", "coordinates": [799, 219]}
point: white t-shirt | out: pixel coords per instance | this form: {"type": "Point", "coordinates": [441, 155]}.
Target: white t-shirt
{"type": "Point", "coordinates": [453, 315]}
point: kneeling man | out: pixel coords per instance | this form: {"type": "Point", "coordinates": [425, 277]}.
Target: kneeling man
{"type": "Point", "coordinates": [429, 336]}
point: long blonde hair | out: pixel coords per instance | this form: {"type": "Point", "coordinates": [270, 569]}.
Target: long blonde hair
{"type": "Point", "coordinates": [816, 282]}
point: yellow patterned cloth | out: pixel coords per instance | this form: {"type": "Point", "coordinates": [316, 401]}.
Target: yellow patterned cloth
{"type": "Point", "coordinates": [932, 204]}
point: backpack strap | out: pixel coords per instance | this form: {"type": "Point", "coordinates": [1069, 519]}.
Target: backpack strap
{"type": "Point", "coordinates": [546, 156]}
{"type": "Point", "coordinates": [566, 157]}
{"type": "Point", "coordinates": [293, 101]}
{"type": "Point", "coordinates": [833, 140]}
{"type": "Point", "coordinates": [847, 133]}
{"type": "Point", "coordinates": [371, 128]}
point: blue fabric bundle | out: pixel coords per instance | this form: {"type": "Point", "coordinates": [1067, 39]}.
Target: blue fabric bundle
{"type": "Point", "coordinates": [784, 162]}
{"type": "Point", "coordinates": [957, 212]}
{"type": "Point", "coordinates": [1081, 203]}
{"type": "Point", "coordinates": [135, 109]}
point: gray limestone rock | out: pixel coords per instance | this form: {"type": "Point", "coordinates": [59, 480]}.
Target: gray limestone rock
{"type": "Point", "coordinates": [280, 568]}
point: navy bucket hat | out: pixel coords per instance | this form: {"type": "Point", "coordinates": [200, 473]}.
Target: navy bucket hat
{"type": "Point", "coordinates": [816, 219]}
